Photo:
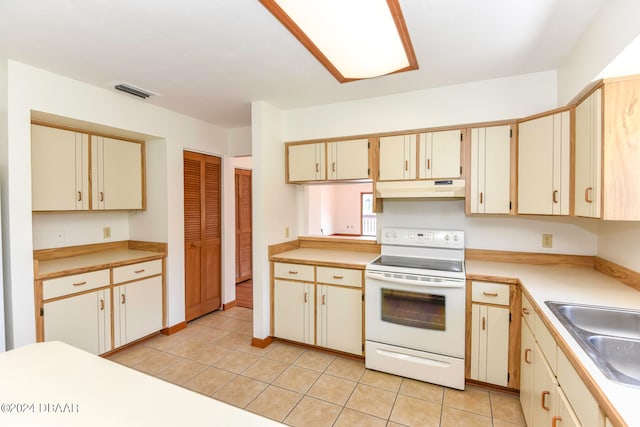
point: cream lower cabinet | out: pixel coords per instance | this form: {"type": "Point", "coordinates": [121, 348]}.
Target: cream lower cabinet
{"type": "Point", "coordinates": [490, 328]}
{"type": "Point", "coordinates": [137, 310]}
{"type": "Point", "coordinates": [319, 306]}
{"type": "Point", "coordinates": [83, 321]}
{"type": "Point", "coordinates": [293, 311]}
{"type": "Point", "coordinates": [551, 392]}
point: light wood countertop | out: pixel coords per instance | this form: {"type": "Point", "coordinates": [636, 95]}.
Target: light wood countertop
{"type": "Point", "coordinates": [327, 257]}
{"type": "Point", "coordinates": [574, 285]}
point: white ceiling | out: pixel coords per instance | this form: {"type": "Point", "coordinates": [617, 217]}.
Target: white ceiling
{"type": "Point", "coordinates": [210, 58]}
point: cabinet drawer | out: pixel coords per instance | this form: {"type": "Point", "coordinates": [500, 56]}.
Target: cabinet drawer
{"type": "Point", "coordinates": [491, 293]}
{"type": "Point", "coordinates": [293, 271]}
{"type": "Point", "coordinates": [67, 285]}
{"type": "Point", "coordinates": [127, 273]}
{"type": "Point", "coordinates": [340, 276]}
{"type": "Point", "coordinates": [527, 311]}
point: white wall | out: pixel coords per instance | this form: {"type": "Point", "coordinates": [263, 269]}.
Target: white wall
{"type": "Point", "coordinates": [4, 290]}
{"type": "Point", "coordinates": [613, 28]}
{"type": "Point", "coordinates": [274, 205]}
{"type": "Point", "coordinates": [239, 142]}
{"type": "Point", "coordinates": [619, 242]}
{"type": "Point", "coordinates": [29, 89]}
{"type": "Point", "coordinates": [80, 228]}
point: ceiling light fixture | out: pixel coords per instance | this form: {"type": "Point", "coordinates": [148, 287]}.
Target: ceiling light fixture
{"type": "Point", "coordinates": [124, 87]}
{"type": "Point", "coordinates": [353, 39]}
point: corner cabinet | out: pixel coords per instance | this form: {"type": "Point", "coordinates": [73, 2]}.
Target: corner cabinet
{"type": "Point", "coordinates": [544, 159]}
{"type": "Point", "coordinates": [318, 305]}
{"type": "Point", "coordinates": [588, 156]}
{"type": "Point", "coordinates": [61, 161]}
{"type": "Point", "coordinates": [492, 335]}
{"type": "Point", "coordinates": [490, 170]}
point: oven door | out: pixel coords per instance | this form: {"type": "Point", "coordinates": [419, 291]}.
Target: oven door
{"type": "Point", "coordinates": [415, 312]}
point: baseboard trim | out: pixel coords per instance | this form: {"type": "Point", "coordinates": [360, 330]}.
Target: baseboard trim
{"type": "Point", "coordinates": [229, 305]}
{"type": "Point", "coordinates": [175, 328]}
{"type": "Point", "coordinates": [261, 342]}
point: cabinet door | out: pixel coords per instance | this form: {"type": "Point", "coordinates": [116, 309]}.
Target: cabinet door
{"type": "Point", "coordinates": [564, 415]}
{"type": "Point", "coordinates": [59, 169]}
{"type": "Point", "coordinates": [116, 174]}
{"type": "Point", "coordinates": [545, 390]}
{"type": "Point", "coordinates": [440, 154]}
{"type": "Point", "coordinates": [137, 310]}
{"type": "Point", "coordinates": [490, 344]}
{"type": "Point", "coordinates": [397, 157]}
{"type": "Point", "coordinates": [306, 162]}
{"type": "Point", "coordinates": [543, 165]}
{"type": "Point", "coordinates": [348, 159]}
{"type": "Point", "coordinates": [527, 361]}
{"type": "Point", "coordinates": [293, 311]}
{"type": "Point", "coordinates": [588, 156]}
{"type": "Point", "coordinates": [490, 170]}
{"type": "Point", "coordinates": [83, 321]}
{"type": "Point", "coordinates": [339, 322]}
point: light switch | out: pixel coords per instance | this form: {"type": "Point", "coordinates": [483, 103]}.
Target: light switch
{"type": "Point", "coordinates": [106, 232]}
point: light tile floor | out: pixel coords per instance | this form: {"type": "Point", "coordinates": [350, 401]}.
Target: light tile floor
{"type": "Point", "coordinates": [305, 387]}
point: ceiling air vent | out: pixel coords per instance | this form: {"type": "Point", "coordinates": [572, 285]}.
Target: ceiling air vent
{"type": "Point", "coordinates": [133, 90]}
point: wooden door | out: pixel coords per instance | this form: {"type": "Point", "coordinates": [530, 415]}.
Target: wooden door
{"type": "Point", "coordinates": [202, 225]}
{"type": "Point", "coordinates": [243, 225]}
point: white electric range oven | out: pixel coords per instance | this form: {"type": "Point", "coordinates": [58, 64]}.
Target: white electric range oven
{"type": "Point", "coordinates": [415, 306]}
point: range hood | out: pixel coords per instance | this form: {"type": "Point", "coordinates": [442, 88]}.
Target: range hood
{"type": "Point", "coordinates": [450, 188]}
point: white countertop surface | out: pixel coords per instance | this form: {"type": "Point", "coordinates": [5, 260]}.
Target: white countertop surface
{"type": "Point", "coordinates": [39, 379]}
{"type": "Point", "coordinates": [347, 258]}
{"type": "Point", "coordinates": [575, 285]}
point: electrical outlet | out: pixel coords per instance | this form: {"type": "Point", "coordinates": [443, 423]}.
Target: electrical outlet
{"type": "Point", "coordinates": [547, 240]}
{"type": "Point", "coordinates": [59, 236]}
{"type": "Point", "coordinates": [106, 232]}
{"type": "Point", "coordinates": [286, 232]}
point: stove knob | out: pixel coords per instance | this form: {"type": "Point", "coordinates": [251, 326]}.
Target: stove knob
{"type": "Point", "coordinates": [395, 235]}
{"type": "Point", "coordinates": [455, 237]}
{"type": "Point", "coordinates": [446, 237]}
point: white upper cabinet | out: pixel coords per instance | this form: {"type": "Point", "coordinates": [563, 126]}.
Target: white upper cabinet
{"type": "Point", "coordinates": [348, 159]}
{"type": "Point", "coordinates": [60, 169]}
{"type": "Point", "coordinates": [490, 174]}
{"type": "Point", "coordinates": [116, 172]}
{"type": "Point", "coordinates": [588, 156]}
{"type": "Point", "coordinates": [397, 157]}
{"type": "Point", "coordinates": [543, 164]}
{"type": "Point", "coordinates": [306, 162]}
{"type": "Point", "coordinates": [440, 154]}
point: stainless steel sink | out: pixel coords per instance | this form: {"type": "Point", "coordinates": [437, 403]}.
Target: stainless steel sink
{"type": "Point", "coordinates": [610, 336]}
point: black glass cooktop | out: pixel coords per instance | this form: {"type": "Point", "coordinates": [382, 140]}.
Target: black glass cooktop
{"type": "Point", "coordinates": [420, 263]}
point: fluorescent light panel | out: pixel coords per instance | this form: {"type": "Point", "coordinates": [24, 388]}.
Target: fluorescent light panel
{"type": "Point", "coordinates": [353, 39]}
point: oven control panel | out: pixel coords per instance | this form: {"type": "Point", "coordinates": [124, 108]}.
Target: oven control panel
{"type": "Point", "coordinates": [420, 237]}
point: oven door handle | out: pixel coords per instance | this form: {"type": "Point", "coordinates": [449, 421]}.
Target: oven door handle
{"type": "Point", "coordinates": [444, 284]}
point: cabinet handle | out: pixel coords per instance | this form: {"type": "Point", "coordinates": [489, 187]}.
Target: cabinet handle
{"type": "Point", "coordinates": [428, 163]}
{"type": "Point", "coordinates": [317, 167]}
{"type": "Point", "coordinates": [324, 299]}
{"type": "Point", "coordinates": [139, 271]}
{"type": "Point", "coordinates": [305, 297]}
{"type": "Point", "coordinates": [79, 196]}
{"type": "Point", "coordinates": [333, 167]}
{"type": "Point", "coordinates": [587, 195]}
{"type": "Point", "coordinates": [543, 398]}
{"type": "Point", "coordinates": [406, 165]}
{"type": "Point", "coordinates": [481, 197]}
{"type": "Point", "coordinates": [293, 272]}
{"type": "Point", "coordinates": [490, 294]}
{"type": "Point", "coordinates": [101, 196]}
{"type": "Point", "coordinates": [80, 283]}
{"type": "Point", "coordinates": [484, 323]}
{"type": "Point", "coordinates": [525, 311]}
{"type": "Point", "coordinates": [554, 421]}
{"type": "Point", "coordinates": [555, 196]}
{"type": "Point", "coordinates": [526, 356]}
{"type": "Point", "coordinates": [122, 299]}
{"type": "Point", "coordinates": [101, 304]}
{"type": "Point", "coordinates": [338, 277]}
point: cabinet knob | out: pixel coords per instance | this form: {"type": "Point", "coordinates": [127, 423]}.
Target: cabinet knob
{"type": "Point", "coordinates": [324, 299]}
{"type": "Point", "coordinates": [293, 272]}
{"type": "Point", "coordinates": [101, 304]}
{"type": "Point", "coordinates": [525, 311]}
{"type": "Point", "coordinates": [406, 165]}
{"type": "Point", "coordinates": [527, 352]}
{"type": "Point", "coordinates": [554, 421]}
{"type": "Point", "coordinates": [555, 196]}
{"type": "Point", "coordinates": [305, 297]}
{"type": "Point", "coordinates": [481, 197]}
{"type": "Point", "coordinates": [428, 163]}
{"type": "Point", "coordinates": [101, 196]}
{"type": "Point", "coordinates": [79, 196]}
{"type": "Point", "coordinates": [338, 277]}
{"type": "Point", "coordinates": [333, 167]}
{"type": "Point", "coordinates": [587, 195]}
{"type": "Point", "coordinates": [317, 167]}
{"type": "Point", "coordinates": [490, 294]}
{"type": "Point", "coordinates": [139, 271]}
{"type": "Point", "coordinates": [543, 400]}
{"type": "Point", "coordinates": [80, 283]}
{"type": "Point", "coordinates": [122, 299]}
{"type": "Point", "coordinates": [484, 321]}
